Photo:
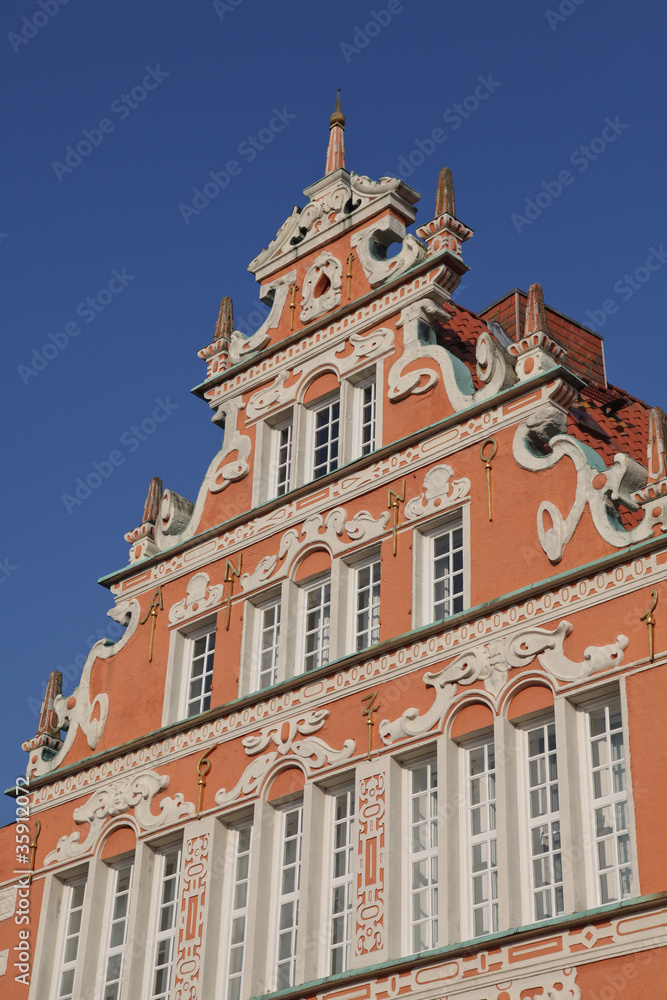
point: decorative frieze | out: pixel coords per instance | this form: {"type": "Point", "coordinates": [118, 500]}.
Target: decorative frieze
{"type": "Point", "coordinates": [371, 811]}
{"type": "Point", "coordinates": [192, 910]}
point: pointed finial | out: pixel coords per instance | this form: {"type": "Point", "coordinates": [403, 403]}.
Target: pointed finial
{"type": "Point", "coordinates": [337, 118]}
{"type": "Point", "coordinates": [536, 318]}
{"type": "Point", "coordinates": [152, 505]}
{"type": "Point", "coordinates": [48, 719]}
{"type": "Point", "coordinates": [444, 195]}
{"type": "Point", "coordinates": [224, 326]}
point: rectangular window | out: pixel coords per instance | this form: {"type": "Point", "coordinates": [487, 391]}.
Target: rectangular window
{"type": "Point", "coordinates": [199, 655]}
{"type": "Point", "coordinates": [447, 572]}
{"type": "Point", "coordinates": [368, 416]}
{"type": "Point", "coordinates": [291, 830]}
{"type": "Point", "coordinates": [166, 890]}
{"type": "Point", "coordinates": [240, 838]}
{"type": "Point", "coordinates": [282, 457]}
{"type": "Point", "coordinates": [367, 605]}
{"type": "Point", "coordinates": [546, 870]}
{"type": "Point", "coordinates": [268, 615]}
{"type": "Point", "coordinates": [316, 603]}
{"type": "Point", "coordinates": [327, 438]}
{"type": "Point", "coordinates": [342, 878]}
{"type": "Point", "coordinates": [118, 911]}
{"type": "Point", "coordinates": [480, 839]}
{"type": "Point", "coordinates": [423, 841]}
{"type": "Point", "coordinates": [70, 933]}
{"type": "Point", "coordinates": [609, 793]}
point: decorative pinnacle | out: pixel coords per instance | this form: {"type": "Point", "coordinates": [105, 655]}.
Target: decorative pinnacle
{"type": "Point", "coordinates": [153, 498]}
{"type": "Point", "coordinates": [337, 118]}
{"type": "Point", "coordinates": [224, 326]}
{"type": "Point", "coordinates": [444, 195]}
{"type": "Point", "coordinates": [536, 318]}
{"type": "Point", "coordinates": [48, 719]}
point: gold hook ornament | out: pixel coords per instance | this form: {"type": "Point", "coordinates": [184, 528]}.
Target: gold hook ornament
{"type": "Point", "coordinates": [203, 767]}
{"type": "Point", "coordinates": [231, 571]}
{"type": "Point", "coordinates": [487, 457]}
{"type": "Point", "coordinates": [394, 499]}
{"type": "Point", "coordinates": [368, 713]}
{"type": "Point", "coordinates": [649, 618]}
{"type": "Point", "coordinates": [33, 851]}
{"type": "Point", "coordinates": [153, 608]}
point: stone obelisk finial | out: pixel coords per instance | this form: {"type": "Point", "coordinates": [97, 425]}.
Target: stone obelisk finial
{"type": "Point", "coordinates": [444, 195]}
{"type": "Point", "coordinates": [536, 319]}
{"type": "Point", "coordinates": [336, 150]}
{"type": "Point", "coordinates": [224, 326]}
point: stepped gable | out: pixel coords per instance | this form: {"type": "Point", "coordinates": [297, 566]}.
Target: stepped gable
{"type": "Point", "coordinates": [585, 356]}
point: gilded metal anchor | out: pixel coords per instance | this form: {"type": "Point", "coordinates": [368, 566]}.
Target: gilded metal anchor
{"type": "Point", "coordinates": [230, 572]}
{"type": "Point", "coordinates": [153, 608]}
{"type": "Point", "coordinates": [487, 459]}
{"type": "Point", "coordinates": [368, 712]}
{"type": "Point", "coordinates": [350, 261]}
{"type": "Point", "coordinates": [292, 306]}
{"type": "Point", "coordinates": [203, 767]}
{"type": "Point", "coordinates": [650, 623]}
{"type": "Point", "coordinates": [394, 499]}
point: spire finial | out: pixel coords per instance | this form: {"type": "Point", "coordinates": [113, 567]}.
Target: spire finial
{"type": "Point", "coordinates": [336, 150]}
{"type": "Point", "coordinates": [337, 118]}
{"type": "Point", "coordinates": [444, 195]}
{"type": "Point", "coordinates": [225, 323]}
{"type": "Point", "coordinates": [536, 319]}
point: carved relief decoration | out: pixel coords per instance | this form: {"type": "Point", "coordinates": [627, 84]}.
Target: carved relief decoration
{"type": "Point", "coordinates": [201, 596]}
{"type": "Point", "coordinates": [371, 245]}
{"type": "Point", "coordinates": [321, 287]}
{"type": "Point", "coordinates": [560, 985]}
{"type": "Point", "coordinates": [275, 294]}
{"type": "Point", "coordinates": [490, 663]}
{"type": "Point", "coordinates": [344, 358]}
{"type": "Point", "coordinates": [293, 740]}
{"type": "Point", "coordinates": [132, 793]}
{"type": "Point", "coordinates": [440, 492]}
{"type": "Point", "coordinates": [494, 366]}
{"type": "Point", "coordinates": [541, 441]}
{"type": "Point", "coordinates": [329, 531]}
{"type": "Point", "coordinates": [77, 711]}
{"type": "Point", "coordinates": [191, 916]}
{"type": "Point", "coordinates": [370, 895]}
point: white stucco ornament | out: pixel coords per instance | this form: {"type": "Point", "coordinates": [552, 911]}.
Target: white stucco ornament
{"type": "Point", "coordinates": [201, 596]}
{"type": "Point", "coordinates": [371, 244]}
{"type": "Point", "coordinates": [321, 287]}
{"type": "Point", "coordinates": [275, 294]}
{"type": "Point", "coordinates": [441, 491]}
{"type": "Point", "coordinates": [541, 441]}
{"type": "Point", "coordinates": [490, 663]}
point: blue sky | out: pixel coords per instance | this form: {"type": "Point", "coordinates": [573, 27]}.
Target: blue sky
{"type": "Point", "coordinates": [101, 262]}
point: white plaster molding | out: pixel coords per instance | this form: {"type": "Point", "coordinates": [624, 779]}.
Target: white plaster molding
{"type": "Point", "coordinates": [372, 857]}
{"type": "Point", "coordinates": [603, 489]}
{"type": "Point", "coordinates": [490, 662]}
{"type": "Point", "coordinates": [76, 711]}
{"type": "Point", "coordinates": [312, 753]}
{"type": "Point", "coordinates": [201, 596]}
{"type": "Point", "coordinates": [4, 959]}
{"type": "Point", "coordinates": [135, 792]}
{"type": "Point", "coordinates": [494, 366]}
{"type": "Point", "coordinates": [275, 293]}
{"type": "Point", "coordinates": [371, 245]}
{"type": "Point", "coordinates": [326, 270]}
{"type": "Point", "coordinates": [327, 531]}
{"type": "Point", "coordinates": [560, 985]}
{"type": "Point", "coordinates": [8, 901]}
{"type": "Point", "coordinates": [440, 493]}
{"type": "Point", "coordinates": [365, 348]}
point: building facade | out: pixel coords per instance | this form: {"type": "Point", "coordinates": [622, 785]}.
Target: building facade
{"type": "Point", "coordinates": [387, 717]}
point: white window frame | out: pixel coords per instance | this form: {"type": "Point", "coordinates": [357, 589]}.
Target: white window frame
{"type": "Point", "coordinates": [424, 557]}
{"type": "Point", "coordinates": [155, 935]}
{"type": "Point", "coordinates": [528, 823]}
{"type": "Point", "coordinates": [590, 804]}
{"type": "Point", "coordinates": [191, 638]}
{"type": "Point", "coordinates": [280, 898]}
{"type": "Point", "coordinates": [358, 384]}
{"type": "Point", "coordinates": [345, 882]}
{"type": "Point", "coordinates": [325, 402]}
{"type": "Point", "coordinates": [109, 951]}
{"type": "Point", "coordinates": [238, 873]}
{"type": "Point", "coordinates": [430, 854]}
{"type": "Point", "coordinates": [258, 611]}
{"type": "Point", "coordinates": [354, 568]}
{"type": "Point", "coordinates": [280, 485]}
{"type": "Point", "coordinates": [61, 965]}
{"type": "Point", "coordinates": [320, 581]}
{"type": "Point", "coordinates": [467, 838]}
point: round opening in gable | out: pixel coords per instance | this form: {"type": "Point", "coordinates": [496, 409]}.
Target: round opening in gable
{"type": "Point", "coordinates": [323, 285]}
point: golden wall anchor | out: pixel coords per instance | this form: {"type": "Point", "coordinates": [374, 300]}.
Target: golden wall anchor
{"type": "Point", "coordinates": [650, 623]}
{"type": "Point", "coordinates": [33, 851]}
{"type": "Point", "coordinates": [153, 608]}
{"type": "Point", "coordinates": [292, 305]}
{"type": "Point", "coordinates": [350, 261]}
{"type": "Point", "coordinates": [487, 453]}
{"type": "Point", "coordinates": [203, 767]}
{"type": "Point", "coordinates": [394, 499]}
{"type": "Point", "coordinates": [368, 712]}
{"type": "Point", "coordinates": [230, 572]}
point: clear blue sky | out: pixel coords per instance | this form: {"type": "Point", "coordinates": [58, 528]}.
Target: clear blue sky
{"type": "Point", "coordinates": [210, 76]}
